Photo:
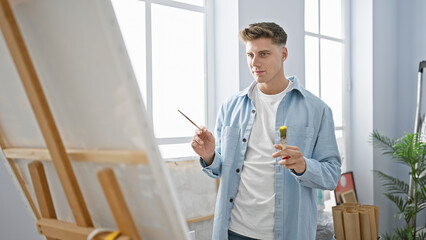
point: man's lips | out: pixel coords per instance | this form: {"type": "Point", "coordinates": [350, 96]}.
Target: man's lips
{"type": "Point", "coordinates": [258, 72]}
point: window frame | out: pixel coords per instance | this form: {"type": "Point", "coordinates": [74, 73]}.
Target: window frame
{"type": "Point", "coordinates": [209, 87]}
{"type": "Point", "coordinates": [346, 81]}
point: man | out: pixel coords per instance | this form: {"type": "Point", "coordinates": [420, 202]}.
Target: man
{"type": "Point", "coordinates": [267, 192]}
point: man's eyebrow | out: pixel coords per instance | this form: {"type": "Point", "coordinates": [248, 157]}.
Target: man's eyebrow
{"type": "Point", "coordinates": [260, 51]}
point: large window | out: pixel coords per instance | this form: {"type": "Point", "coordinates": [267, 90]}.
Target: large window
{"type": "Point", "coordinates": [167, 42]}
{"type": "Point", "coordinates": [326, 60]}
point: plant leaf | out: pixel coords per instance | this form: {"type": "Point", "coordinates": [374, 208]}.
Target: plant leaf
{"type": "Point", "coordinates": [399, 202]}
{"type": "Point", "coordinates": [383, 142]}
{"type": "Point", "coordinates": [393, 185]}
{"type": "Point", "coordinates": [421, 235]}
{"type": "Point", "coordinates": [403, 233]}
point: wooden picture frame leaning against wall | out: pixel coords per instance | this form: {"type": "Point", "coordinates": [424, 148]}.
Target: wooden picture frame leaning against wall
{"type": "Point", "coordinates": [346, 184]}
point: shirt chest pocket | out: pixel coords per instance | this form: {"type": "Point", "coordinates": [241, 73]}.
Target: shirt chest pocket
{"type": "Point", "coordinates": [301, 137]}
{"type": "Point", "coordinates": [230, 141]}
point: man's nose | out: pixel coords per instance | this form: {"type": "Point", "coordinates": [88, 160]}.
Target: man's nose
{"type": "Point", "coordinates": [256, 61]}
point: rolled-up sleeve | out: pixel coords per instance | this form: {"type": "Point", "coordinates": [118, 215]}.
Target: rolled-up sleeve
{"type": "Point", "coordinates": [214, 169]}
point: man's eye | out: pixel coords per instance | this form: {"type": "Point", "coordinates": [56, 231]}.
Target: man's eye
{"type": "Point", "coordinates": [250, 55]}
{"type": "Point", "coordinates": [264, 54]}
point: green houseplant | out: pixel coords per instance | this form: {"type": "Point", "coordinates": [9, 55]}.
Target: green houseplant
{"type": "Point", "coordinates": [410, 151]}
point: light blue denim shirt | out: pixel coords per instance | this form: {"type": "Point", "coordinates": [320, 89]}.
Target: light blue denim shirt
{"type": "Point", "coordinates": [310, 127]}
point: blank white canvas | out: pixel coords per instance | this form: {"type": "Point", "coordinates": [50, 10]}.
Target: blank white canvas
{"type": "Point", "coordinates": [86, 75]}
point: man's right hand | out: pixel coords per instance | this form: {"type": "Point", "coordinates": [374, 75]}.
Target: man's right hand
{"type": "Point", "coordinates": [203, 144]}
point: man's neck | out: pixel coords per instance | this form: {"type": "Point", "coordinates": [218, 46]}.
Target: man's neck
{"type": "Point", "coordinates": [274, 87]}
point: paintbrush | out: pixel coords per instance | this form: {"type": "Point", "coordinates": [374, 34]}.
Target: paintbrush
{"type": "Point", "coordinates": [190, 120]}
{"type": "Point", "coordinates": [283, 136]}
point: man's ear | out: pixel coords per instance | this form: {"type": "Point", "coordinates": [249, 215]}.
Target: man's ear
{"type": "Point", "coordinates": [284, 52]}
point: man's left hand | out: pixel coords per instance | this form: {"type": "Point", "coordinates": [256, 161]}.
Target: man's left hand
{"type": "Point", "coordinates": [292, 158]}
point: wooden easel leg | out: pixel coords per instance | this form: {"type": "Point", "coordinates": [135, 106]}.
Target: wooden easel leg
{"type": "Point", "coordinates": [117, 204]}
{"type": "Point", "coordinates": [41, 188]}
{"type": "Point", "coordinates": [42, 191]}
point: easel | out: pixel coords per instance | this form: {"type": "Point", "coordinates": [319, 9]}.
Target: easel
{"type": "Point", "coordinates": [47, 223]}
{"type": "Point", "coordinates": [61, 157]}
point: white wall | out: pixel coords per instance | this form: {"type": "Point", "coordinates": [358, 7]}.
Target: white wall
{"type": "Point", "coordinates": [385, 40]}
{"type": "Point", "coordinates": [361, 158]}
{"type": "Point", "coordinates": [411, 50]}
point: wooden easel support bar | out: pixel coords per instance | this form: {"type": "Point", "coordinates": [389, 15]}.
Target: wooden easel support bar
{"type": "Point", "coordinates": [81, 155]}
{"type": "Point", "coordinates": [117, 204]}
{"type": "Point", "coordinates": [34, 91]}
{"type": "Point", "coordinates": [56, 229]}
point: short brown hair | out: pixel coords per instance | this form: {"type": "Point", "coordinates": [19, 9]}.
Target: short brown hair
{"type": "Point", "coordinates": [264, 30]}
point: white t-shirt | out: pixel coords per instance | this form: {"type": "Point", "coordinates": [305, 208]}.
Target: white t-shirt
{"type": "Point", "coordinates": [254, 205]}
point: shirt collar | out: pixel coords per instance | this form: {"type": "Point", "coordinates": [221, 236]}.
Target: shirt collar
{"type": "Point", "coordinates": [296, 86]}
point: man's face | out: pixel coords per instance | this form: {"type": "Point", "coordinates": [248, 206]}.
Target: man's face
{"type": "Point", "coordinates": [265, 59]}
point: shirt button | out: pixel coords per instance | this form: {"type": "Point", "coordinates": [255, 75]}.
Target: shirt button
{"type": "Point", "coordinates": [253, 111]}
{"type": "Point", "coordinates": [244, 140]}
{"type": "Point", "coordinates": [231, 200]}
{"type": "Point", "coordinates": [238, 170]}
